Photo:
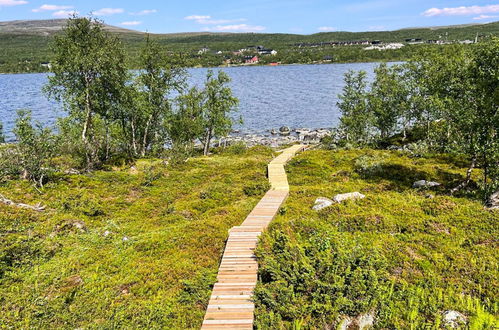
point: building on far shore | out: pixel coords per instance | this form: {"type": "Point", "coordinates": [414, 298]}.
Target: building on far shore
{"type": "Point", "coordinates": [251, 59]}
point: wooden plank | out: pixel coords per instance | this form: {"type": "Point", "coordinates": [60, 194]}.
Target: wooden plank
{"type": "Point", "coordinates": [231, 305]}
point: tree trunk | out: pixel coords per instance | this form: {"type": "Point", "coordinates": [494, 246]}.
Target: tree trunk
{"type": "Point", "coordinates": [87, 124]}
{"type": "Point", "coordinates": [134, 138]}
{"type": "Point", "coordinates": [144, 140]}
{"type": "Point", "coordinates": [465, 183]}
{"type": "Point", "coordinates": [207, 142]}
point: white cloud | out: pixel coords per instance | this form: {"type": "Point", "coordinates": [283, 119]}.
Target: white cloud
{"type": "Point", "coordinates": [236, 28]}
{"type": "Point", "coordinates": [485, 17]}
{"type": "Point", "coordinates": [131, 23]}
{"type": "Point", "coordinates": [327, 29]}
{"type": "Point", "coordinates": [145, 12]}
{"type": "Point", "coordinates": [50, 8]}
{"type": "Point", "coordinates": [108, 11]}
{"type": "Point", "coordinates": [64, 13]}
{"type": "Point", "coordinates": [471, 10]}
{"type": "Point", "coordinates": [9, 3]}
{"type": "Point", "coordinates": [208, 20]}
{"type": "Point", "coordinates": [197, 17]}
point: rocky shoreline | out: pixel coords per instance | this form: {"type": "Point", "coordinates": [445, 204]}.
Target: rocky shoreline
{"type": "Point", "coordinates": [277, 137]}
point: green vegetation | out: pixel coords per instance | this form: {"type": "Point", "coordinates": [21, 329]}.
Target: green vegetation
{"type": "Point", "coordinates": [404, 255]}
{"type": "Point", "coordinates": [24, 51]}
{"type": "Point", "coordinates": [135, 220]}
{"type": "Point", "coordinates": [450, 97]}
{"type": "Point", "coordinates": [113, 113]}
{"type": "Point", "coordinates": [129, 247]}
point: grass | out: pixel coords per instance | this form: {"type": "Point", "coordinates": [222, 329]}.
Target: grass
{"type": "Point", "coordinates": [401, 254]}
{"type": "Point", "coordinates": [139, 247]}
{"type": "Point", "coordinates": [124, 248]}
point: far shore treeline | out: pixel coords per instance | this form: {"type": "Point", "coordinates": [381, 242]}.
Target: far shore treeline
{"type": "Point", "coordinates": [444, 100]}
{"type": "Point", "coordinates": [25, 45]}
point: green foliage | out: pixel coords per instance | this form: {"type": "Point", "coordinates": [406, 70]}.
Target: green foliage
{"type": "Point", "coordinates": [2, 136]}
{"type": "Point", "coordinates": [219, 103]}
{"type": "Point", "coordinates": [399, 255]}
{"type": "Point", "coordinates": [355, 117]}
{"type": "Point", "coordinates": [147, 122]}
{"type": "Point", "coordinates": [451, 94]}
{"type": "Point", "coordinates": [24, 52]}
{"type": "Point", "coordinates": [89, 77]}
{"type": "Point", "coordinates": [185, 123]}
{"type": "Point", "coordinates": [71, 266]}
{"type": "Point", "coordinates": [30, 157]}
{"type": "Point", "coordinates": [256, 189]}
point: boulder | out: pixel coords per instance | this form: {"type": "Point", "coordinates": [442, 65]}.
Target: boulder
{"type": "Point", "coordinates": [493, 202]}
{"type": "Point", "coordinates": [322, 203]}
{"type": "Point", "coordinates": [365, 321]}
{"type": "Point", "coordinates": [361, 322]}
{"type": "Point", "coordinates": [425, 184]}
{"type": "Point", "coordinates": [273, 132]}
{"type": "Point", "coordinates": [284, 129]}
{"type": "Point", "coordinates": [454, 319]}
{"type": "Point", "coordinates": [343, 197]}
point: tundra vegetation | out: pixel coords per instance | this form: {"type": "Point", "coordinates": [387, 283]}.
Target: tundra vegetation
{"type": "Point", "coordinates": [130, 233]}
{"type": "Point", "coordinates": [402, 257]}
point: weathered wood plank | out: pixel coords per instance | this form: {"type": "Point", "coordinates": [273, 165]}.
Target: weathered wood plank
{"type": "Point", "coordinates": [231, 305]}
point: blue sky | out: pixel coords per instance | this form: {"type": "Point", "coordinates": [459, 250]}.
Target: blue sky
{"type": "Point", "coordinates": [286, 16]}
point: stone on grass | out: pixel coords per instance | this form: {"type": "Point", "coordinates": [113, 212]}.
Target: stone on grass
{"type": "Point", "coordinates": [425, 184]}
{"type": "Point", "coordinates": [361, 322]}
{"type": "Point", "coordinates": [365, 321]}
{"type": "Point", "coordinates": [343, 197]}
{"type": "Point", "coordinates": [80, 225]}
{"type": "Point", "coordinates": [454, 319]}
{"type": "Point", "coordinates": [107, 233]}
{"type": "Point", "coordinates": [493, 202]}
{"type": "Point", "coordinates": [322, 203]}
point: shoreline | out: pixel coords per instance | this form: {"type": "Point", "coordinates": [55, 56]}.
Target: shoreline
{"type": "Point", "coordinates": [244, 66]}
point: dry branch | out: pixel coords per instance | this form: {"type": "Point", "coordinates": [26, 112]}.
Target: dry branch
{"type": "Point", "coordinates": [38, 207]}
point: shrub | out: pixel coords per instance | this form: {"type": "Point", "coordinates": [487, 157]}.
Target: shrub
{"type": "Point", "coordinates": [256, 189]}
{"type": "Point", "coordinates": [2, 136]}
{"type": "Point", "coordinates": [368, 166]}
{"type": "Point", "coordinates": [30, 157]}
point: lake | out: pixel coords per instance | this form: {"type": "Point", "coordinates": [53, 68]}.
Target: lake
{"type": "Point", "coordinates": [270, 96]}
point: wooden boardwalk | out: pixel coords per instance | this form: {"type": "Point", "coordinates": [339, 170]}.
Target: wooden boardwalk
{"type": "Point", "coordinates": [231, 305]}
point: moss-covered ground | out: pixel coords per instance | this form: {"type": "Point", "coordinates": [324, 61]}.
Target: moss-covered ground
{"type": "Point", "coordinates": [134, 248]}
{"type": "Point", "coordinates": [403, 255]}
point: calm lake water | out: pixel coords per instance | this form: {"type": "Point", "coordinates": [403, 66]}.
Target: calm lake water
{"type": "Point", "coordinates": [270, 97]}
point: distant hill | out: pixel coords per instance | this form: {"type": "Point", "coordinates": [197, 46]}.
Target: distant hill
{"type": "Point", "coordinates": [46, 27]}
{"type": "Point", "coordinates": [24, 44]}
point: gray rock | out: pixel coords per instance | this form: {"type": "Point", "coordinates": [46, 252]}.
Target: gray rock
{"type": "Point", "coordinates": [493, 202]}
{"type": "Point", "coordinates": [425, 184]}
{"type": "Point", "coordinates": [80, 225]}
{"type": "Point", "coordinates": [322, 203]}
{"type": "Point", "coordinates": [273, 132]}
{"type": "Point", "coordinates": [345, 323]}
{"type": "Point", "coordinates": [125, 239]}
{"type": "Point", "coordinates": [365, 321]}
{"type": "Point", "coordinates": [454, 319]}
{"type": "Point", "coordinates": [361, 322]}
{"type": "Point", "coordinates": [284, 129]}
{"type": "Point", "coordinates": [343, 197]}
{"type": "Point", "coordinates": [107, 233]}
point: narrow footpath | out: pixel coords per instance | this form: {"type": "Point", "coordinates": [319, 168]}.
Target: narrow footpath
{"type": "Point", "coordinates": [231, 305]}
